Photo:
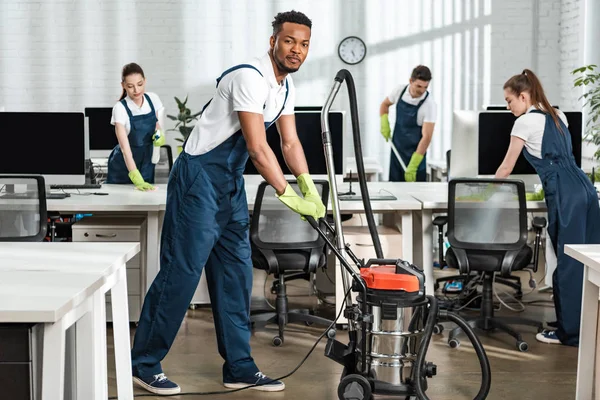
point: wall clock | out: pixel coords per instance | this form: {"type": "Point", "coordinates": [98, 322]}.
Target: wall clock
{"type": "Point", "coordinates": [352, 50]}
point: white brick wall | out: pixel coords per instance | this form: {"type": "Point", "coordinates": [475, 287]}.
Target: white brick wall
{"type": "Point", "coordinates": [571, 55]}
{"type": "Point", "coordinates": [67, 54]}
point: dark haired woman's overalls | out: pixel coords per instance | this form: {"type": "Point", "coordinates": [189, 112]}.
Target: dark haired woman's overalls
{"type": "Point", "coordinates": [140, 142]}
{"type": "Point", "coordinates": [206, 223]}
{"type": "Point", "coordinates": [573, 218]}
{"type": "Point", "coordinates": [406, 138]}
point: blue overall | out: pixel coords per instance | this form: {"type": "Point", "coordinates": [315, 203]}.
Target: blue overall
{"type": "Point", "coordinates": [140, 142]}
{"type": "Point", "coordinates": [573, 217]}
{"type": "Point", "coordinates": [206, 224]}
{"type": "Point", "coordinates": [407, 135]}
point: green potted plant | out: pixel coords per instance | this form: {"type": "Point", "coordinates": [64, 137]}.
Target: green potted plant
{"type": "Point", "coordinates": [588, 78]}
{"type": "Point", "coordinates": [184, 118]}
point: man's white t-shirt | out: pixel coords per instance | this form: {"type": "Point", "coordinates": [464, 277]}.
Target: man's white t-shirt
{"type": "Point", "coordinates": [530, 127]}
{"type": "Point", "coordinates": [241, 90]}
{"type": "Point", "coordinates": [119, 114]}
{"type": "Point", "coordinates": [427, 112]}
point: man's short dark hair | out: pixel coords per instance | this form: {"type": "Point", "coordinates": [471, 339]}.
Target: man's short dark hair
{"type": "Point", "coordinates": [295, 17]}
{"type": "Point", "coordinates": [422, 73]}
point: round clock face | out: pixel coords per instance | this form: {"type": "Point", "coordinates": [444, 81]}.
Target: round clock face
{"type": "Point", "coordinates": [352, 50]}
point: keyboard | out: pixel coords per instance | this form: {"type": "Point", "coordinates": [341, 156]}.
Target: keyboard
{"type": "Point", "coordinates": [57, 196]}
{"type": "Point", "coordinates": [84, 186]}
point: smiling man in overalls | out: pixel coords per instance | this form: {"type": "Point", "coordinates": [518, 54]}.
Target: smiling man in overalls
{"type": "Point", "coordinates": [206, 220]}
{"type": "Point", "coordinates": [415, 120]}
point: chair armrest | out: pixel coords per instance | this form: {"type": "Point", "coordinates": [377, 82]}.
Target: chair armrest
{"type": "Point", "coordinates": [440, 221]}
{"type": "Point", "coordinates": [539, 223]}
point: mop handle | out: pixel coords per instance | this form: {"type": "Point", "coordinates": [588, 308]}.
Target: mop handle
{"type": "Point", "coordinates": [395, 150]}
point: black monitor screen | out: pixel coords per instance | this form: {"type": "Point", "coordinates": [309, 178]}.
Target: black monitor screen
{"type": "Point", "coordinates": [494, 139]}
{"type": "Point", "coordinates": [102, 133]}
{"type": "Point", "coordinates": [308, 125]}
{"type": "Point", "coordinates": [42, 143]}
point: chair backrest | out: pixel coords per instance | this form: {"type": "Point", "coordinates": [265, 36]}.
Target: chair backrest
{"type": "Point", "coordinates": [23, 216]}
{"type": "Point", "coordinates": [166, 156]}
{"type": "Point", "coordinates": [276, 227]}
{"type": "Point", "coordinates": [487, 214]}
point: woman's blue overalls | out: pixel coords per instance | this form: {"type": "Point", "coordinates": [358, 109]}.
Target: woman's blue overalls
{"type": "Point", "coordinates": [573, 217]}
{"type": "Point", "coordinates": [140, 142]}
{"type": "Point", "coordinates": [407, 135]}
{"type": "Point", "coordinates": [206, 224]}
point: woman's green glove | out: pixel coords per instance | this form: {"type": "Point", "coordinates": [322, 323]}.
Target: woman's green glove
{"type": "Point", "coordinates": [297, 203]}
{"type": "Point", "coordinates": [310, 193]}
{"type": "Point", "coordinates": [410, 175]}
{"type": "Point", "coordinates": [138, 181]}
{"type": "Point", "coordinates": [159, 138]}
{"type": "Point", "coordinates": [386, 132]}
{"type": "Point", "coordinates": [537, 196]}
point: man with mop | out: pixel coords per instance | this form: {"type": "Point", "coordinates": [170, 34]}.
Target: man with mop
{"type": "Point", "coordinates": [415, 119]}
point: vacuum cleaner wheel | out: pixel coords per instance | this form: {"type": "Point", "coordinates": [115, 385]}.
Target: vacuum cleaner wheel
{"type": "Point", "coordinates": [354, 387]}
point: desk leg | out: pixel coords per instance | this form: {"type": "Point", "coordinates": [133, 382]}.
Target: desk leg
{"type": "Point", "coordinates": [99, 345]}
{"type": "Point", "coordinates": [423, 245]}
{"type": "Point", "coordinates": [121, 336]}
{"type": "Point", "coordinates": [407, 236]}
{"type": "Point", "coordinates": [53, 367]}
{"type": "Point", "coordinates": [152, 248]}
{"type": "Point", "coordinates": [587, 338]}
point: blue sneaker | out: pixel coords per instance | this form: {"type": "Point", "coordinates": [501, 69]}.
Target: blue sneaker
{"type": "Point", "coordinates": [157, 384]}
{"type": "Point", "coordinates": [266, 384]}
{"type": "Point", "coordinates": [548, 336]}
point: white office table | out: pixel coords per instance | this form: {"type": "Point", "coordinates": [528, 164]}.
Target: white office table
{"type": "Point", "coordinates": [126, 200]}
{"type": "Point", "coordinates": [589, 353]}
{"type": "Point", "coordinates": [60, 284]}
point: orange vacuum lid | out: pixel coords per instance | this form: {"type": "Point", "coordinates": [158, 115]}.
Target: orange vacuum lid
{"type": "Point", "coordinates": [384, 277]}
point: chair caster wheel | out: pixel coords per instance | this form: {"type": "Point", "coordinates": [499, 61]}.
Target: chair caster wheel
{"type": "Point", "coordinates": [438, 329]}
{"type": "Point", "coordinates": [277, 341]}
{"type": "Point", "coordinates": [454, 343]}
{"type": "Point", "coordinates": [308, 323]}
{"type": "Point", "coordinates": [355, 387]}
{"type": "Point", "coordinates": [522, 346]}
{"type": "Point", "coordinates": [331, 333]}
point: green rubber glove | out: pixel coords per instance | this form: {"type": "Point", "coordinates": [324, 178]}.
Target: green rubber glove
{"type": "Point", "coordinates": [139, 182]}
{"type": "Point", "coordinates": [537, 196]}
{"type": "Point", "coordinates": [310, 193]}
{"type": "Point", "coordinates": [386, 132]}
{"type": "Point", "coordinates": [159, 138]}
{"type": "Point", "coordinates": [297, 204]}
{"type": "Point", "coordinates": [410, 175]}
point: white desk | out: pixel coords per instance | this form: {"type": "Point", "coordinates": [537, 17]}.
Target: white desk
{"type": "Point", "coordinates": [123, 199]}
{"type": "Point", "coordinates": [60, 284]}
{"type": "Point", "coordinates": [589, 353]}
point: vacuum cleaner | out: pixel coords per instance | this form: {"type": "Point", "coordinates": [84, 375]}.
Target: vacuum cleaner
{"type": "Point", "coordinates": [391, 324]}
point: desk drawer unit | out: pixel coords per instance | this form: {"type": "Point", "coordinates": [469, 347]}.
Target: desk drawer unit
{"type": "Point", "coordinates": [119, 229]}
{"type": "Point", "coordinates": [19, 362]}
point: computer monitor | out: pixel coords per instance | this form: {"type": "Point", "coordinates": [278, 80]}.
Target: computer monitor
{"type": "Point", "coordinates": [44, 143]}
{"type": "Point", "coordinates": [101, 134]}
{"type": "Point", "coordinates": [494, 139]}
{"type": "Point", "coordinates": [463, 162]}
{"type": "Point", "coordinates": [308, 125]}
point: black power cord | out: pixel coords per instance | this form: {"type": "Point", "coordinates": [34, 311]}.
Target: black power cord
{"type": "Point", "coordinates": [251, 386]}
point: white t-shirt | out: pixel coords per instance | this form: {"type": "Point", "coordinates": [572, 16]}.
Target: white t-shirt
{"type": "Point", "coordinates": [241, 90]}
{"type": "Point", "coordinates": [530, 127]}
{"type": "Point", "coordinates": [119, 114]}
{"type": "Point", "coordinates": [427, 112]}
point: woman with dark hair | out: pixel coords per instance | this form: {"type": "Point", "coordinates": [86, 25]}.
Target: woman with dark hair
{"type": "Point", "coordinates": [541, 134]}
{"type": "Point", "coordinates": [135, 117]}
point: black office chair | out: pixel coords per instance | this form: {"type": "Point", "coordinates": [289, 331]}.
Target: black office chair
{"type": "Point", "coordinates": [487, 231]}
{"type": "Point", "coordinates": [166, 155]}
{"type": "Point", "coordinates": [23, 215]}
{"type": "Point", "coordinates": [286, 246]}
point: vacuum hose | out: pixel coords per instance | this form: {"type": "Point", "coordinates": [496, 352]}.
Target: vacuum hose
{"type": "Point", "coordinates": [419, 371]}
{"type": "Point", "coordinates": [342, 75]}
